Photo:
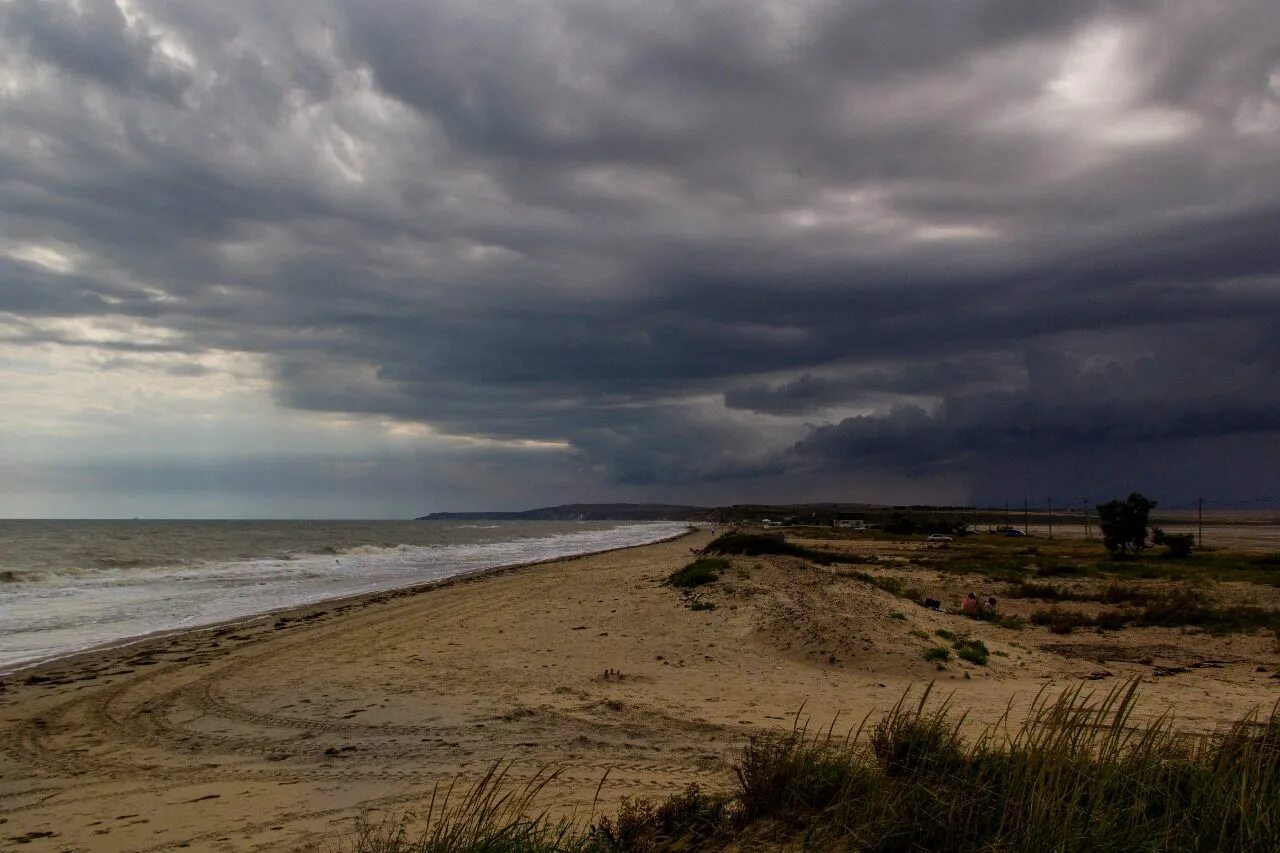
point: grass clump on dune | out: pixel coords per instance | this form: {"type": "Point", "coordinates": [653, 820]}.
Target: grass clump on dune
{"type": "Point", "coordinates": [701, 571]}
{"type": "Point", "coordinates": [974, 651]}
{"type": "Point", "coordinates": [758, 544]}
{"type": "Point", "coordinates": [1081, 774]}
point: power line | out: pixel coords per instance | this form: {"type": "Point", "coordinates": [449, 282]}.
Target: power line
{"type": "Point", "coordinates": [1263, 499]}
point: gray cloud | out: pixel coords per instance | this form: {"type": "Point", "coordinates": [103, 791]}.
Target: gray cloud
{"type": "Point", "coordinates": [674, 236]}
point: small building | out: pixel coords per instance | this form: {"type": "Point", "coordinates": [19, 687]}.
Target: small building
{"type": "Point", "coordinates": [851, 520]}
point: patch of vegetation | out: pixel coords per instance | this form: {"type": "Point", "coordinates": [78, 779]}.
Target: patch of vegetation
{"type": "Point", "coordinates": [690, 819]}
{"type": "Point", "coordinates": [754, 544]}
{"type": "Point", "coordinates": [891, 585]}
{"type": "Point", "coordinates": [1081, 774]}
{"type": "Point", "coordinates": [1179, 609]}
{"type": "Point", "coordinates": [701, 571]}
{"type": "Point", "coordinates": [1013, 623]}
{"type": "Point", "coordinates": [974, 651]}
{"type": "Point", "coordinates": [945, 634]}
{"type": "Point", "coordinates": [758, 544]}
{"type": "Point", "coordinates": [936, 653]}
{"type": "Point", "coordinates": [899, 616]}
{"type": "Point", "coordinates": [702, 604]}
{"type": "Point", "coordinates": [916, 632]}
{"type": "Point", "coordinates": [1010, 561]}
{"type": "Point", "coordinates": [1112, 594]}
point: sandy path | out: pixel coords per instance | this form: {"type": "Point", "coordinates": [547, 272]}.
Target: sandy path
{"type": "Point", "coordinates": [275, 735]}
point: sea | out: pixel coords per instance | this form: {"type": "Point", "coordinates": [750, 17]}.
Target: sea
{"type": "Point", "coordinates": [69, 586]}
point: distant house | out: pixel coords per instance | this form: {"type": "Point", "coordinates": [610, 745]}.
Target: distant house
{"type": "Point", "coordinates": [853, 520]}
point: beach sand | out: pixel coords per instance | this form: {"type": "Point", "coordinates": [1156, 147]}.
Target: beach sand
{"type": "Point", "coordinates": [276, 734]}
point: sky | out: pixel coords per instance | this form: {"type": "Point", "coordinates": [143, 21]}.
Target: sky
{"type": "Point", "coordinates": [329, 258]}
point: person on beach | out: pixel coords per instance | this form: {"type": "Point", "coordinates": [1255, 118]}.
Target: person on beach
{"type": "Point", "coordinates": [971, 606]}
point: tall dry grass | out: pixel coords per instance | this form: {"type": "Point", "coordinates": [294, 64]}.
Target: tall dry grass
{"type": "Point", "coordinates": [1082, 773]}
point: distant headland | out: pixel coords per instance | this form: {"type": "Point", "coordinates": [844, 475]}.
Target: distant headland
{"type": "Point", "coordinates": [586, 512]}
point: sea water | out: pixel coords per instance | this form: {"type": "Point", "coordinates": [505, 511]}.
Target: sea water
{"type": "Point", "coordinates": [67, 586]}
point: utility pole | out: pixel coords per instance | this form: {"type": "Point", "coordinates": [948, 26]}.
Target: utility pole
{"type": "Point", "coordinates": [1087, 535]}
{"type": "Point", "coordinates": [1200, 521]}
{"type": "Point", "coordinates": [1006, 513]}
{"type": "Point", "coordinates": [1050, 503]}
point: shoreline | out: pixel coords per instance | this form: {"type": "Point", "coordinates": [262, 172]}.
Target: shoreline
{"type": "Point", "coordinates": [33, 667]}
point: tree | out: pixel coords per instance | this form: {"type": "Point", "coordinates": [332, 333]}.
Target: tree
{"type": "Point", "coordinates": [1124, 525]}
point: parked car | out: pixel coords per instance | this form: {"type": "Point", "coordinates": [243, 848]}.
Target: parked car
{"type": "Point", "coordinates": [938, 537]}
{"type": "Point", "coordinates": [1013, 531]}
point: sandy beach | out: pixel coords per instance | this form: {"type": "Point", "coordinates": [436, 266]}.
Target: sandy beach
{"type": "Point", "coordinates": [276, 734]}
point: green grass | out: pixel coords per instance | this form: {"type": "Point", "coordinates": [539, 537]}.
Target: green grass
{"type": "Point", "coordinates": [701, 571]}
{"type": "Point", "coordinates": [1081, 774]}
{"type": "Point", "coordinates": [936, 653]}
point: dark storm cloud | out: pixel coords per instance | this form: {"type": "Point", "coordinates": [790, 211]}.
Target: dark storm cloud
{"type": "Point", "coordinates": [671, 235]}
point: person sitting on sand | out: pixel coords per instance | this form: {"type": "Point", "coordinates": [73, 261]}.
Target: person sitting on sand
{"type": "Point", "coordinates": [971, 606]}
{"type": "Point", "coordinates": [990, 607]}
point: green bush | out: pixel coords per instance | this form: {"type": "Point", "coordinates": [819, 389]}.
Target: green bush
{"type": "Point", "coordinates": [936, 653]}
{"type": "Point", "coordinates": [974, 651]}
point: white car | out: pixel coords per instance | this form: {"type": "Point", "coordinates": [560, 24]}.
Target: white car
{"type": "Point", "coordinates": [938, 537]}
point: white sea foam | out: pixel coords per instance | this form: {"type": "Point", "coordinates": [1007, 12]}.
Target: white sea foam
{"type": "Point", "coordinates": [50, 614]}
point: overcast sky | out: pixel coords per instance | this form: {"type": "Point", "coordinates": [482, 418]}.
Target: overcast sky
{"type": "Point", "coordinates": [340, 258]}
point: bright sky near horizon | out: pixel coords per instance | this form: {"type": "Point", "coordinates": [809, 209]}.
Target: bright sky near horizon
{"type": "Point", "coordinates": [342, 259]}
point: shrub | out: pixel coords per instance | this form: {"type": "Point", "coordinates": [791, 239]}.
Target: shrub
{"type": "Point", "coordinates": [683, 820]}
{"type": "Point", "coordinates": [704, 570]}
{"type": "Point", "coordinates": [702, 604]}
{"type": "Point", "coordinates": [974, 651]}
{"type": "Point", "coordinates": [1177, 545]}
{"type": "Point", "coordinates": [936, 653]}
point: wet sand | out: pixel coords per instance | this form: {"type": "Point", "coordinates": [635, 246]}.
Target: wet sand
{"type": "Point", "coordinates": [276, 734]}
